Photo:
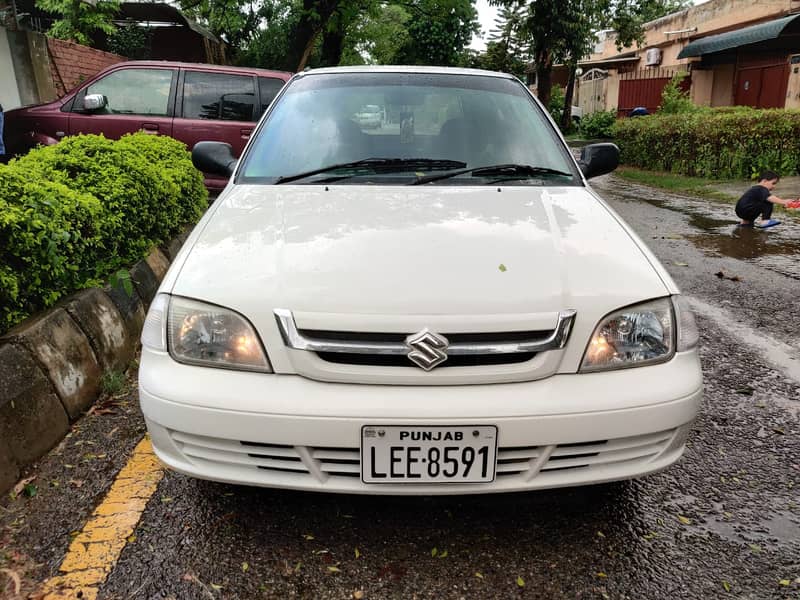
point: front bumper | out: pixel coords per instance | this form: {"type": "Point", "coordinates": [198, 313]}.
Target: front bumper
{"type": "Point", "coordinates": [290, 432]}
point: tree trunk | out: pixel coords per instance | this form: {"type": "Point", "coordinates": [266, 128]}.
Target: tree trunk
{"type": "Point", "coordinates": [332, 47]}
{"type": "Point", "coordinates": [544, 84]}
{"type": "Point", "coordinates": [307, 51]}
{"type": "Point", "coordinates": [566, 116]}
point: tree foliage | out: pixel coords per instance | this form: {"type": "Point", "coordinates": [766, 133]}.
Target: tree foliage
{"type": "Point", "coordinates": [80, 20]}
{"type": "Point", "coordinates": [438, 32]}
{"type": "Point", "coordinates": [563, 31]}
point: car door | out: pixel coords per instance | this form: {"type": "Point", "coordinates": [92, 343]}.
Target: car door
{"type": "Point", "coordinates": [216, 106]}
{"type": "Point", "coordinates": [140, 98]}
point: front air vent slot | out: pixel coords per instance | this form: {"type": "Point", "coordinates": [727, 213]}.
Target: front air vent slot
{"type": "Point", "coordinates": [381, 360]}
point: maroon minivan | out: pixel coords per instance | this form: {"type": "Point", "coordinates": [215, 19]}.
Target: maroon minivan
{"type": "Point", "coordinates": [190, 102]}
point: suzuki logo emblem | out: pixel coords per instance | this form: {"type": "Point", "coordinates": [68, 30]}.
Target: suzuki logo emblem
{"type": "Point", "coordinates": [427, 349]}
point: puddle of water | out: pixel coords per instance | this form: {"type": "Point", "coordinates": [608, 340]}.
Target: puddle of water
{"type": "Point", "coordinates": [782, 356]}
{"type": "Point", "coordinates": [779, 526]}
{"type": "Point", "coordinates": [775, 249]}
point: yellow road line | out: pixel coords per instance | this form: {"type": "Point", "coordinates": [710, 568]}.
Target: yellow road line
{"type": "Point", "coordinates": [95, 551]}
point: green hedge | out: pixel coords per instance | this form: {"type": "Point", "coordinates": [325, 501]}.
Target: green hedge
{"type": "Point", "coordinates": [76, 212]}
{"type": "Point", "coordinates": [599, 124]}
{"type": "Point", "coordinates": [726, 143]}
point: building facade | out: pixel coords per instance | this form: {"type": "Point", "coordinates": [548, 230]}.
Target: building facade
{"type": "Point", "coordinates": [734, 52]}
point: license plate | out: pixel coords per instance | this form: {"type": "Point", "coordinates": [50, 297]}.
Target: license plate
{"type": "Point", "coordinates": [399, 454]}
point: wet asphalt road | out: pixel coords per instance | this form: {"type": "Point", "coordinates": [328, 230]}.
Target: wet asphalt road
{"type": "Point", "coordinates": [724, 522]}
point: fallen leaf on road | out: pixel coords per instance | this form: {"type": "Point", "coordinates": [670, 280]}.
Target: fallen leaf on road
{"type": "Point", "coordinates": [680, 264]}
{"type": "Point", "coordinates": [755, 548]}
{"type": "Point", "coordinates": [502, 268]}
{"type": "Point", "coordinates": [21, 485]}
{"type": "Point", "coordinates": [726, 585]}
{"type": "Point", "coordinates": [13, 576]}
{"type": "Point", "coordinates": [684, 520]}
{"type": "Point", "coordinates": [216, 587]}
{"type": "Point", "coordinates": [245, 567]}
{"type": "Point", "coordinates": [333, 569]}
{"type": "Point", "coordinates": [784, 582]}
{"type": "Point", "coordinates": [443, 554]}
{"type": "Point", "coordinates": [308, 536]}
{"type": "Point", "coordinates": [358, 594]}
{"type": "Point", "coordinates": [601, 534]}
{"type": "Point", "coordinates": [357, 553]}
{"type": "Point", "coordinates": [520, 582]}
{"type": "Point", "coordinates": [478, 575]}
{"type": "Point", "coordinates": [434, 552]}
{"type": "Point", "coordinates": [602, 575]}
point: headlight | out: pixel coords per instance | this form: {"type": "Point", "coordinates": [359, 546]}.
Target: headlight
{"type": "Point", "coordinates": [203, 334]}
{"type": "Point", "coordinates": [635, 336]}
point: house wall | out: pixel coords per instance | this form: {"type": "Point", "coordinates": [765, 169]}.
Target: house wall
{"type": "Point", "coordinates": [722, 87]}
{"type": "Point", "coordinates": [9, 91]}
{"type": "Point", "coordinates": [72, 63]}
{"type": "Point", "coordinates": [714, 16]}
{"type": "Point", "coordinates": [702, 87]}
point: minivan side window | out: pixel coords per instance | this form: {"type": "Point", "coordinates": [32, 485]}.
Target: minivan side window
{"type": "Point", "coordinates": [269, 88]}
{"type": "Point", "coordinates": [135, 91]}
{"type": "Point", "coordinates": [218, 96]}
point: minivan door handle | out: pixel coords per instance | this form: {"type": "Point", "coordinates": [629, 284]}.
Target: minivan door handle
{"type": "Point", "coordinates": [151, 128]}
{"type": "Point", "coordinates": [246, 133]}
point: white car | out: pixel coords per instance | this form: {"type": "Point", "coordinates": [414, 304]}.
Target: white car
{"type": "Point", "coordinates": [496, 328]}
{"type": "Point", "coordinates": [370, 116]}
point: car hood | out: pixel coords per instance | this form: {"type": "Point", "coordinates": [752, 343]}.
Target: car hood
{"type": "Point", "coordinates": [423, 250]}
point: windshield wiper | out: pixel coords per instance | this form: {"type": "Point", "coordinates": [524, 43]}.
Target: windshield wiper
{"type": "Point", "coordinates": [379, 164]}
{"type": "Point", "coordinates": [511, 170]}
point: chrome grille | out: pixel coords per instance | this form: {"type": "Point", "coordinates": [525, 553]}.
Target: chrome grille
{"type": "Point", "coordinates": [397, 349]}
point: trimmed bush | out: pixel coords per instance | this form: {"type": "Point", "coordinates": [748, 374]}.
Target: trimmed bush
{"type": "Point", "coordinates": [599, 124]}
{"type": "Point", "coordinates": [729, 143]}
{"type": "Point", "coordinates": [74, 213]}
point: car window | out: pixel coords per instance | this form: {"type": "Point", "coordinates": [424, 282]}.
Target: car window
{"type": "Point", "coordinates": [135, 91]}
{"type": "Point", "coordinates": [327, 119]}
{"type": "Point", "coordinates": [269, 88]}
{"type": "Point", "coordinates": [218, 96]}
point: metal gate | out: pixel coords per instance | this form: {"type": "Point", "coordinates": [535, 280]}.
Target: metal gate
{"type": "Point", "coordinates": [593, 88]}
{"type": "Point", "coordinates": [644, 87]}
{"type": "Point", "coordinates": [761, 82]}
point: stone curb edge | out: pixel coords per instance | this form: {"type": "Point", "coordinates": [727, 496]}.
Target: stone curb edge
{"type": "Point", "coordinates": [52, 364]}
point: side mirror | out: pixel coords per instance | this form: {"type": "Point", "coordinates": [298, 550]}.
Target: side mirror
{"type": "Point", "coordinates": [598, 159]}
{"type": "Point", "coordinates": [92, 102]}
{"type": "Point", "coordinates": [214, 157]}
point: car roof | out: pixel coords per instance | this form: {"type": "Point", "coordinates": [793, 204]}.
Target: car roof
{"type": "Point", "coordinates": [202, 66]}
{"type": "Point", "coordinates": [405, 69]}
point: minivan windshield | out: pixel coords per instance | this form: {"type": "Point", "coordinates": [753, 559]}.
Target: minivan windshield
{"type": "Point", "coordinates": [395, 128]}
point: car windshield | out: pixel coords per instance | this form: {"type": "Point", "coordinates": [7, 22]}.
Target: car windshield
{"type": "Point", "coordinates": [399, 127]}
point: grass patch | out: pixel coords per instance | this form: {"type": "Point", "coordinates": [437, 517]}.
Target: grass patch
{"type": "Point", "coordinates": [696, 186]}
{"type": "Point", "coordinates": [112, 382]}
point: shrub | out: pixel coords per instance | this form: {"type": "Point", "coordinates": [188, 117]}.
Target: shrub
{"type": "Point", "coordinates": [715, 143]}
{"type": "Point", "coordinates": [73, 213]}
{"type": "Point", "coordinates": [674, 99]}
{"type": "Point", "coordinates": [599, 124]}
{"type": "Point", "coordinates": [556, 105]}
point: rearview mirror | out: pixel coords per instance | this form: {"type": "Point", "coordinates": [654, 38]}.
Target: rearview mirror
{"type": "Point", "coordinates": [598, 159]}
{"type": "Point", "coordinates": [214, 157]}
{"type": "Point", "coordinates": [92, 102]}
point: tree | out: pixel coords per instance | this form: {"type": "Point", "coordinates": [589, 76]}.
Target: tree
{"type": "Point", "coordinates": [438, 32]}
{"type": "Point", "coordinates": [80, 19]}
{"type": "Point", "coordinates": [377, 36]}
{"type": "Point", "coordinates": [237, 22]}
{"type": "Point", "coordinates": [506, 50]}
{"type": "Point", "coordinates": [563, 30]}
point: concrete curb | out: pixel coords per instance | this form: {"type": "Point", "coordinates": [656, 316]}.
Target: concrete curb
{"type": "Point", "coordinates": [51, 365]}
